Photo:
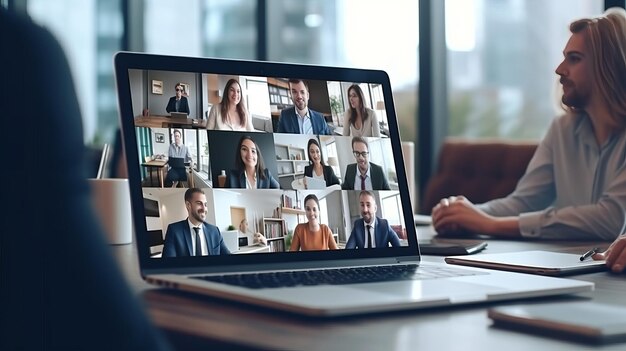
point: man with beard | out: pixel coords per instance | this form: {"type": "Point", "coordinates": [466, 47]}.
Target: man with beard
{"type": "Point", "coordinates": [193, 236]}
{"type": "Point", "coordinates": [575, 184]}
{"type": "Point", "coordinates": [300, 119]}
{"type": "Point", "coordinates": [370, 231]}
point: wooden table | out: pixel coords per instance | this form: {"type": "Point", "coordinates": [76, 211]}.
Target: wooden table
{"type": "Point", "coordinates": [159, 165]}
{"type": "Point", "coordinates": [206, 322]}
{"type": "Point", "coordinates": [169, 122]}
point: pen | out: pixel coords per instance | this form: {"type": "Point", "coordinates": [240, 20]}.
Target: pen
{"type": "Point", "coordinates": [589, 253]}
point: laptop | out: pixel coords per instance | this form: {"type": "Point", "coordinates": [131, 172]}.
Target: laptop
{"type": "Point", "coordinates": [180, 115]}
{"type": "Point", "coordinates": [176, 162]}
{"type": "Point", "coordinates": [321, 282]}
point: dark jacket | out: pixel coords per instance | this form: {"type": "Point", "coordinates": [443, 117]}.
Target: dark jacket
{"type": "Point", "coordinates": [379, 180]}
{"type": "Point", "coordinates": [237, 179]}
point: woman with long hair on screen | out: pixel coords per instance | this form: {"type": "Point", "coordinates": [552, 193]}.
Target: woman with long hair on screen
{"type": "Point", "coordinates": [316, 168]}
{"type": "Point", "coordinates": [231, 113]}
{"type": "Point", "coordinates": [312, 235]}
{"type": "Point", "coordinates": [359, 120]}
{"type": "Point", "coordinates": [250, 171]}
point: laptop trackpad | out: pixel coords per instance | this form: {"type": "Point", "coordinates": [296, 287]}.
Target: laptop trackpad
{"type": "Point", "coordinates": [456, 291]}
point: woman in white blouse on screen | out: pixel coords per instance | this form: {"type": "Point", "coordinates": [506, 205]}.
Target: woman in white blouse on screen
{"type": "Point", "coordinates": [359, 120]}
{"type": "Point", "coordinates": [231, 113]}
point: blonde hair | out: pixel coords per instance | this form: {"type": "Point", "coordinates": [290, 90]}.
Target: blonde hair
{"type": "Point", "coordinates": [606, 37]}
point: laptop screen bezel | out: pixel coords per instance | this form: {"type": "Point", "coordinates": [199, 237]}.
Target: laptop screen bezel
{"type": "Point", "coordinates": [125, 61]}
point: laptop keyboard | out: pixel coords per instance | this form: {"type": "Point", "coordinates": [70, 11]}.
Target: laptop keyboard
{"type": "Point", "coordinates": [338, 276]}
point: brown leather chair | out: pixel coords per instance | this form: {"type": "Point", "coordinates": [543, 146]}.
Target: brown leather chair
{"type": "Point", "coordinates": [479, 170]}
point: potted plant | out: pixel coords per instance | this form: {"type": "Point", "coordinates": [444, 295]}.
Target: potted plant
{"type": "Point", "coordinates": [288, 239]}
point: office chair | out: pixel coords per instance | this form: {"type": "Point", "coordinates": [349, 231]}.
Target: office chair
{"type": "Point", "coordinates": [61, 288]}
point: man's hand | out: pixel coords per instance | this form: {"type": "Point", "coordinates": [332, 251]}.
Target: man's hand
{"type": "Point", "coordinates": [457, 214]}
{"type": "Point", "coordinates": [615, 255]}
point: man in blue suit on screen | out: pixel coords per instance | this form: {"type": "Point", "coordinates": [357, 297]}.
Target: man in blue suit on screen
{"type": "Point", "coordinates": [182, 238]}
{"type": "Point", "coordinates": [300, 119]}
{"type": "Point", "coordinates": [371, 231]}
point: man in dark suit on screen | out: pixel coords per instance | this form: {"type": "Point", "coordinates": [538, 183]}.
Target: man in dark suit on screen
{"type": "Point", "coordinates": [300, 119]}
{"type": "Point", "coordinates": [193, 236]}
{"type": "Point", "coordinates": [370, 176]}
{"type": "Point", "coordinates": [371, 231]}
{"type": "Point", "coordinates": [178, 102]}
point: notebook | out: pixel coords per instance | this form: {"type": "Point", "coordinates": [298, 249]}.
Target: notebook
{"type": "Point", "coordinates": [309, 278]}
{"type": "Point", "coordinates": [534, 262]}
{"type": "Point", "coordinates": [314, 183]}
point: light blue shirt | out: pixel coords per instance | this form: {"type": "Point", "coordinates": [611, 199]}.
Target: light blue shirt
{"type": "Point", "coordinates": [573, 188]}
{"type": "Point", "coordinates": [304, 122]}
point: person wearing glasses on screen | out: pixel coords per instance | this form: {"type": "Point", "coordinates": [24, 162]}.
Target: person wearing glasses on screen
{"type": "Point", "coordinates": [231, 113]}
{"type": "Point", "coordinates": [250, 171]}
{"type": "Point", "coordinates": [364, 175]}
{"type": "Point", "coordinates": [575, 184]}
{"type": "Point", "coordinates": [312, 235]}
{"type": "Point", "coordinates": [369, 231]}
{"type": "Point", "coordinates": [300, 119]}
{"type": "Point", "coordinates": [178, 102]}
{"type": "Point", "coordinates": [317, 169]}
{"type": "Point", "coordinates": [358, 119]}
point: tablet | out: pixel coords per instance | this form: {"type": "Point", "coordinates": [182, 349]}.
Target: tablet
{"type": "Point", "coordinates": [534, 262]}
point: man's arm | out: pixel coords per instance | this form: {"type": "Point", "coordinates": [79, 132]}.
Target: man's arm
{"type": "Point", "coordinates": [348, 180]}
{"type": "Point", "coordinates": [185, 106]}
{"type": "Point", "coordinates": [169, 246]}
{"type": "Point", "coordinates": [351, 244]}
{"type": "Point", "coordinates": [282, 122]}
{"type": "Point", "coordinates": [392, 236]}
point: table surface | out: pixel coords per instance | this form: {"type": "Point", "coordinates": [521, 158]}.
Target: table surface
{"type": "Point", "coordinates": [442, 328]}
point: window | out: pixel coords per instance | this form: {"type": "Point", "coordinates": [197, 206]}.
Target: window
{"type": "Point", "coordinates": [323, 212]}
{"type": "Point", "coordinates": [391, 209]}
{"type": "Point", "coordinates": [90, 33]}
{"type": "Point", "coordinates": [501, 60]}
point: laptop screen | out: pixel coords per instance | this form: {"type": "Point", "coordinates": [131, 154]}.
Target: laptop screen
{"type": "Point", "coordinates": [289, 162]}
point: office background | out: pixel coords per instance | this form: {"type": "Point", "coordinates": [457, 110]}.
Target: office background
{"type": "Point", "coordinates": [465, 68]}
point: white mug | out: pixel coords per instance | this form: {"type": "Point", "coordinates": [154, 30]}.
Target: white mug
{"type": "Point", "coordinates": [110, 198]}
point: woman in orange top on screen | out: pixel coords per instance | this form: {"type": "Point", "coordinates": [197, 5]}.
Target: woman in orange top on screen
{"type": "Point", "coordinates": [312, 235]}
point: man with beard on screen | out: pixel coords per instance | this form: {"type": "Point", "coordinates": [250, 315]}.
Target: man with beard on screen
{"type": "Point", "coordinates": [193, 236]}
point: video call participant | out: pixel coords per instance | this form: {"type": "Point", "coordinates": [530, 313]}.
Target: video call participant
{"type": "Point", "coordinates": [316, 168]}
{"type": "Point", "coordinates": [358, 119]}
{"type": "Point", "coordinates": [250, 171]}
{"type": "Point", "coordinates": [231, 113]}
{"type": "Point", "coordinates": [370, 176]}
{"type": "Point", "coordinates": [371, 231]}
{"type": "Point", "coordinates": [193, 236]}
{"type": "Point", "coordinates": [300, 119]}
{"type": "Point", "coordinates": [312, 235]}
{"type": "Point", "coordinates": [178, 150]}
{"type": "Point", "coordinates": [575, 184]}
{"type": "Point", "coordinates": [178, 102]}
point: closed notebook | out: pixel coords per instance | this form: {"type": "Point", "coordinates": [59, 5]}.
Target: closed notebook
{"type": "Point", "coordinates": [534, 262]}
